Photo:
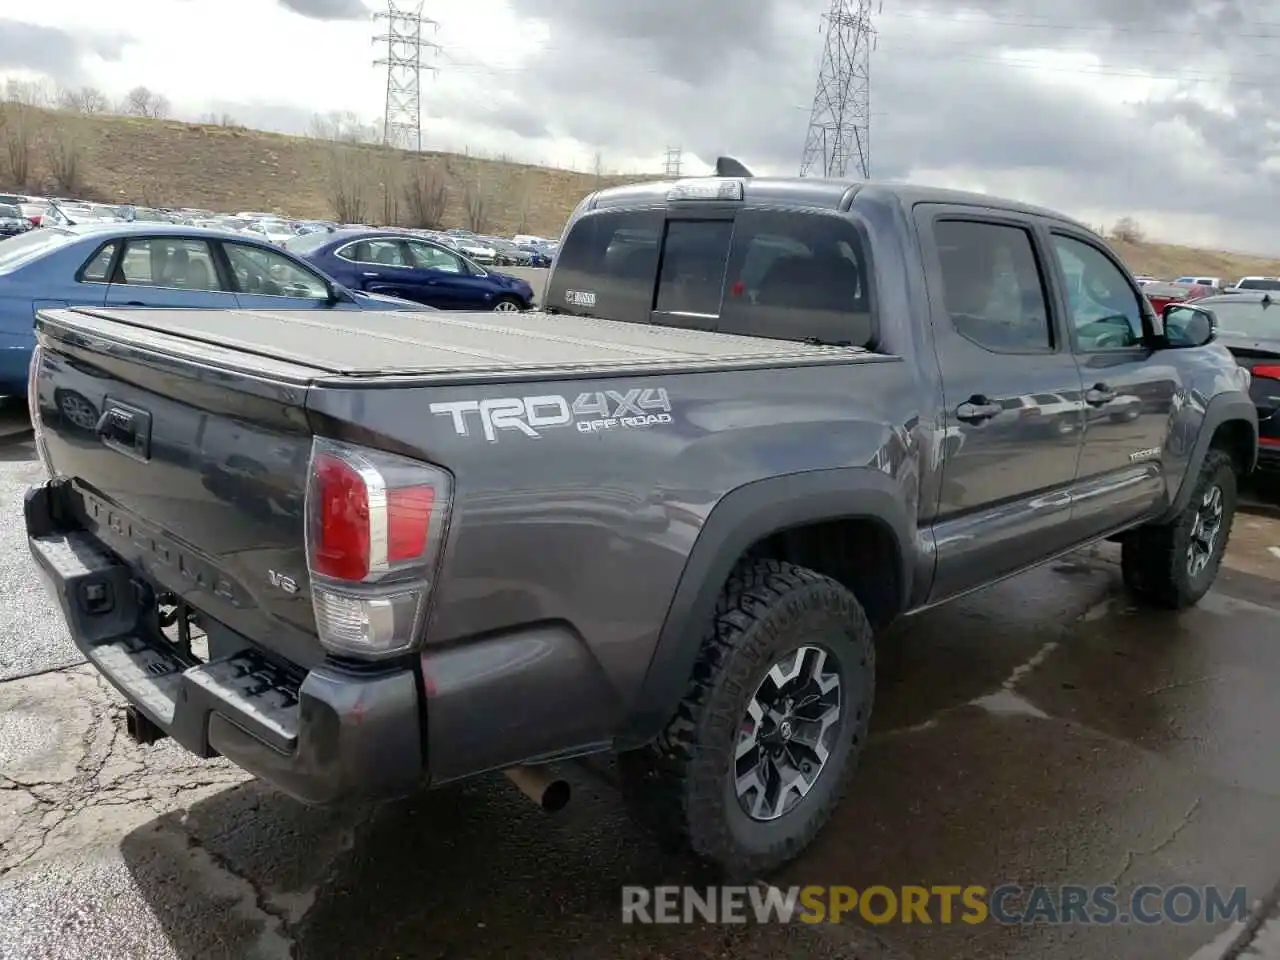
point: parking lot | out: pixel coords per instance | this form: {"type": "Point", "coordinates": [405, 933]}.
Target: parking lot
{"type": "Point", "coordinates": [1042, 731]}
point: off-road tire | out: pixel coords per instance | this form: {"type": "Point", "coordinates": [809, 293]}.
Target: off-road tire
{"type": "Point", "coordinates": [681, 785]}
{"type": "Point", "coordinates": [1154, 559]}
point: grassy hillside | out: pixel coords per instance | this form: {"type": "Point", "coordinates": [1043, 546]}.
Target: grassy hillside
{"type": "Point", "coordinates": [230, 168]}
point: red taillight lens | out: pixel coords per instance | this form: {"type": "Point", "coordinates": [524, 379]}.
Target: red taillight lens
{"type": "Point", "coordinates": [1270, 371]}
{"type": "Point", "coordinates": [343, 534]}
{"type": "Point", "coordinates": [408, 522]}
{"type": "Point", "coordinates": [375, 525]}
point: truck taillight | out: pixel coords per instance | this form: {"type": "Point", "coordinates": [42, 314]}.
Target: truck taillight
{"type": "Point", "coordinates": [375, 525]}
{"type": "Point", "coordinates": [1269, 371]}
{"type": "Point", "coordinates": [34, 372]}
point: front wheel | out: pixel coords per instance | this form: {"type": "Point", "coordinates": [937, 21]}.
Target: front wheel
{"type": "Point", "coordinates": [757, 756]}
{"type": "Point", "coordinates": [508, 305]}
{"type": "Point", "coordinates": [1174, 564]}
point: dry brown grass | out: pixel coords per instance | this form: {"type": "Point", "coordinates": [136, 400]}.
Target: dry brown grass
{"type": "Point", "coordinates": [228, 168]}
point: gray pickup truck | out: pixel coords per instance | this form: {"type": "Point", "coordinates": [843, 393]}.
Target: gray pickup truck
{"type": "Point", "coordinates": [664, 518]}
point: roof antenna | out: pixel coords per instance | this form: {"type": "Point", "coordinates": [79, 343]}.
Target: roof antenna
{"type": "Point", "coordinates": [729, 167]}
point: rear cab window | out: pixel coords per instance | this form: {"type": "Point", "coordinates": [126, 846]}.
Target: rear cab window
{"type": "Point", "coordinates": [772, 273]}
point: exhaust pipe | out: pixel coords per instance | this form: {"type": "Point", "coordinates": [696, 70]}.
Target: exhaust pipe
{"type": "Point", "coordinates": [140, 729]}
{"type": "Point", "coordinates": [548, 792]}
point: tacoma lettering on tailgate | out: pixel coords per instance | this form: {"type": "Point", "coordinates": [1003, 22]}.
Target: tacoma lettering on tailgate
{"type": "Point", "coordinates": [588, 412]}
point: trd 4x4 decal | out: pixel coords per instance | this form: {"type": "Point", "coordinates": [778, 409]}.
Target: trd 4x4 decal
{"type": "Point", "coordinates": [588, 412]}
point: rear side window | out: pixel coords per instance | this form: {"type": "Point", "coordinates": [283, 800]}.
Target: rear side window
{"type": "Point", "coordinates": [993, 287]}
{"type": "Point", "coordinates": [95, 270]}
{"type": "Point", "coordinates": [608, 265]}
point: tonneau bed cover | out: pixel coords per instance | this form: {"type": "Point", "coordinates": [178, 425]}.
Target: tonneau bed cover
{"type": "Point", "coordinates": [327, 346]}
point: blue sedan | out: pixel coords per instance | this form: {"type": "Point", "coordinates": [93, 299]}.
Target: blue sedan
{"type": "Point", "coordinates": [408, 266]}
{"type": "Point", "coordinates": [152, 265]}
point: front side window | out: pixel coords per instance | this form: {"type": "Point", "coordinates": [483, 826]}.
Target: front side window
{"type": "Point", "coordinates": [1104, 309]}
{"type": "Point", "coordinates": [270, 274]}
{"type": "Point", "coordinates": [992, 285]}
{"type": "Point", "coordinates": [170, 262]}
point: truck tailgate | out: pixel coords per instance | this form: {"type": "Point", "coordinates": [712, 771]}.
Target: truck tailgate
{"type": "Point", "coordinates": [197, 480]}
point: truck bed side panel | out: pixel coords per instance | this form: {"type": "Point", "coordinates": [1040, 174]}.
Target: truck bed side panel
{"type": "Point", "coordinates": [588, 527]}
{"type": "Point", "coordinates": [208, 502]}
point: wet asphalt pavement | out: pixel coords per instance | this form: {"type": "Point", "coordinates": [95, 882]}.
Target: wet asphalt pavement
{"type": "Point", "coordinates": [1042, 731]}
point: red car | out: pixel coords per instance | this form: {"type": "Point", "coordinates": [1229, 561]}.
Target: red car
{"type": "Point", "coordinates": [1162, 294]}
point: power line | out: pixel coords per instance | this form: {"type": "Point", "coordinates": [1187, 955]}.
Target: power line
{"type": "Point", "coordinates": [674, 161]}
{"type": "Point", "coordinates": [840, 119]}
{"type": "Point", "coordinates": [402, 112]}
{"type": "Point", "coordinates": [1044, 23]}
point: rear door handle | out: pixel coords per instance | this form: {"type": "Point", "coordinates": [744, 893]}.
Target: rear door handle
{"type": "Point", "coordinates": [1099, 395]}
{"type": "Point", "coordinates": [373, 276]}
{"type": "Point", "coordinates": [135, 303]}
{"type": "Point", "coordinates": [978, 409]}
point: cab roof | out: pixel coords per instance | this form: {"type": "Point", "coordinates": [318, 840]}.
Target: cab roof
{"type": "Point", "coordinates": [819, 193]}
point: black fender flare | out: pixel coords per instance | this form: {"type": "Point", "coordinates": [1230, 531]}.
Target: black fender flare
{"type": "Point", "coordinates": [1225, 407]}
{"type": "Point", "coordinates": [742, 517]}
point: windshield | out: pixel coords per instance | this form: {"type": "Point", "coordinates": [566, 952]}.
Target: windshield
{"type": "Point", "coordinates": [9, 210]}
{"type": "Point", "coordinates": [1248, 319]}
{"type": "Point", "coordinates": [1258, 283]}
{"type": "Point", "coordinates": [22, 249]}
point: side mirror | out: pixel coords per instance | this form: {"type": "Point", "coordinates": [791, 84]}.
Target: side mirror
{"type": "Point", "coordinates": [337, 293]}
{"type": "Point", "coordinates": [1188, 326]}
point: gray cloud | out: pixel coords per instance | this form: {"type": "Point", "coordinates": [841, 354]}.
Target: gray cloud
{"type": "Point", "coordinates": [951, 92]}
{"type": "Point", "coordinates": [57, 53]}
{"type": "Point", "coordinates": [328, 9]}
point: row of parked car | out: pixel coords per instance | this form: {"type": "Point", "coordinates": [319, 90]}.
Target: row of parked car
{"type": "Point", "coordinates": [204, 263]}
{"type": "Point", "coordinates": [21, 213]}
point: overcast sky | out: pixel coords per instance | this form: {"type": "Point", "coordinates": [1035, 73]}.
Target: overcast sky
{"type": "Point", "coordinates": [1165, 110]}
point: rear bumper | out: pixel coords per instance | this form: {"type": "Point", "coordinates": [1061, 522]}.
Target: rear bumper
{"type": "Point", "coordinates": [322, 736]}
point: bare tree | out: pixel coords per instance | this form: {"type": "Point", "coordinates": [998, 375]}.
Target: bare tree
{"type": "Point", "coordinates": [64, 155]}
{"type": "Point", "coordinates": [144, 102]}
{"type": "Point", "coordinates": [86, 100]}
{"type": "Point", "coordinates": [340, 126]}
{"type": "Point", "coordinates": [219, 120]}
{"type": "Point", "coordinates": [524, 205]}
{"type": "Point", "coordinates": [1128, 230]}
{"type": "Point", "coordinates": [392, 186]}
{"type": "Point", "coordinates": [597, 167]}
{"type": "Point", "coordinates": [426, 194]}
{"type": "Point", "coordinates": [19, 135]}
{"type": "Point", "coordinates": [475, 199]}
{"type": "Point", "coordinates": [30, 93]}
{"type": "Point", "coordinates": [348, 186]}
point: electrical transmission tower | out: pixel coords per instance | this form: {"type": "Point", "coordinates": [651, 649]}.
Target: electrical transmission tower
{"type": "Point", "coordinates": [674, 161]}
{"type": "Point", "coordinates": [840, 119]}
{"type": "Point", "coordinates": [402, 113]}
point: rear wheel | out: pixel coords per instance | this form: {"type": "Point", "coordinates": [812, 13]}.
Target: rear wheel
{"type": "Point", "coordinates": [508, 305]}
{"type": "Point", "coordinates": [757, 756]}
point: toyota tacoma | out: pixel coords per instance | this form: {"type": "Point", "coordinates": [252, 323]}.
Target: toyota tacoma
{"type": "Point", "coordinates": [665, 518]}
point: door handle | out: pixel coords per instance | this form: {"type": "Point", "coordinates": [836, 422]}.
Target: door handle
{"type": "Point", "coordinates": [977, 409]}
{"type": "Point", "coordinates": [1099, 395]}
{"type": "Point", "coordinates": [373, 276]}
{"type": "Point", "coordinates": [135, 303]}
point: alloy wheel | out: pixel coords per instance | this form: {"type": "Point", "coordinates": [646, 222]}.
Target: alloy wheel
{"type": "Point", "coordinates": [1205, 530]}
{"type": "Point", "coordinates": [785, 739]}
